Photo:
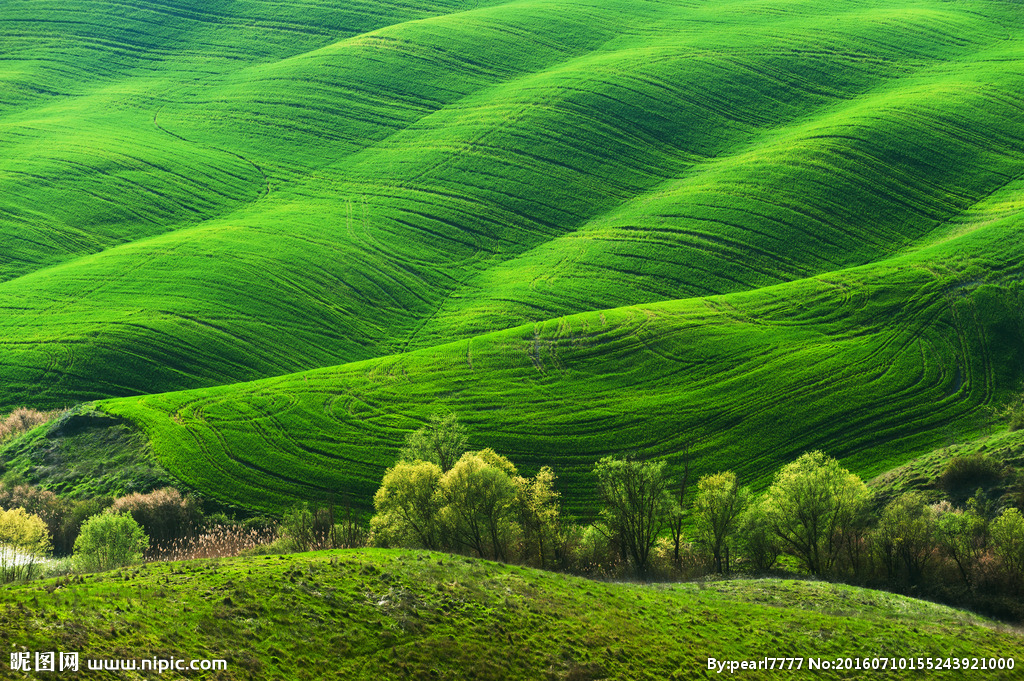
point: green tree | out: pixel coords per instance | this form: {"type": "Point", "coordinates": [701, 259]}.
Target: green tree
{"type": "Point", "coordinates": [637, 504]}
{"type": "Point", "coordinates": [1008, 541]}
{"type": "Point", "coordinates": [24, 539]}
{"type": "Point", "coordinates": [718, 504]}
{"type": "Point", "coordinates": [963, 536]}
{"type": "Point", "coordinates": [759, 544]}
{"type": "Point", "coordinates": [442, 440]}
{"type": "Point", "coordinates": [906, 538]}
{"type": "Point", "coordinates": [539, 515]}
{"type": "Point", "coordinates": [109, 540]}
{"type": "Point", "coordinates": [408, 506]}
{"type": "Point", "coordinates": [479, 503]}
{"type": "Point", "coordinates": [808, 506]}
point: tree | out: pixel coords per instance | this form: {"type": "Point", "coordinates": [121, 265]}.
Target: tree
{"type": "Point", "coordinates": [677, 514]}
{"type": "Point", "coordinates": [906, 537]}
{"type": "Point", "coordinates": [442, 440]}
{"type": "Point", "coordinates": [23, 540]}
{"type": "Point", "coordinates": [759, 543]}
{"type": "Point", "coordinates": [808, 506]}
{"type": "Point", "coordinates": [408, 505]}
{"type": "Point", "coordinates": [963, 536]}
{"type": "Point", "coordinates": [537, 502]}
{"type": "Point", "coordinates": [637, 504]}
{"type": "Point", "coordinates": [1008, 541]}
{"type": "Point", "coordinates": [718, 503]}
{"type": "Point", "coordinates": [109, 540]}
{"type": "Point", "coordinates": [479, 503]}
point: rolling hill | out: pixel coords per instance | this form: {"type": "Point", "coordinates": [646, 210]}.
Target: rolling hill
{"type": "Point", "coordinates": [373, 614]}
{"type": "Point", "coordinates": [276, 237]}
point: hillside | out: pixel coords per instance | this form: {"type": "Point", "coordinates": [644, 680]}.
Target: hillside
{"type": "Point", "coordinates": [275, 237]}
{"type": "Point", "coordinates": [410, 614]}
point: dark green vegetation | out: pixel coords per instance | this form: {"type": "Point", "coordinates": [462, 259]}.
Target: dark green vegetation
{"type": "Point", "coordinates": [747, 228]}
{"type": "Point", "coordinates": [85, 453]}
{"type": "Point", "coordinates": [414, 614]}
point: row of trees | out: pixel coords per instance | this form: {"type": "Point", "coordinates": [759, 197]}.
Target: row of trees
{"type": "Point", "coordinates": [815, 516]}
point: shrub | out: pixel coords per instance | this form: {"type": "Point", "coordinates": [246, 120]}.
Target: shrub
{"type": "Point", "coordinates": [22, 420]}
{"type": "Point", "coordinates": [967, 472]}
{"type": "Point", "coordinates": [163, 514]}
{"type": "Point", "coordinates": [109, 540]}
{"type": "Point", "coordinates": [24, 539]}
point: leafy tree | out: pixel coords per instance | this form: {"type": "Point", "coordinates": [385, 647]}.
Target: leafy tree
{"type": "Point", "coordinates": [537, 501]}
{"type": "Point", "coordinates": [408, 506]}
{"type": "Point", "coordinates": [109, 540]}
{"type": "Point", "coordinates": [311, 528]}
{"type": "Point", "coordinates": [442, 440]}
{"type": "Point", "coordinates": [963, 536]}
{"type": "Point", "coordinates": [808, 506]}
{"type": "Point", "coordinates": [906, 537]}
{"type": "Point", "coordinates": [760, 545]}
{"type": "Point", "coordinates": [718, 504]}
{"type": "Point", "coordinates": [23, 540]}
{"type": "Point", "coordinates": [1008, 541]}
{"type": "Point", "coordinates": [677, 513]}
{"type": "Point", "coordinates": [637, 504]}
{"type": "Point", "coordinates": [479, 503]}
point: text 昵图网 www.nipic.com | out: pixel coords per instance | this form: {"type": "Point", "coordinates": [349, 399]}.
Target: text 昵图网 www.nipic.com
{"type": "Point", "coordinates": [72, 662]}
{"type": "Point", "coordinates": [881, 664]}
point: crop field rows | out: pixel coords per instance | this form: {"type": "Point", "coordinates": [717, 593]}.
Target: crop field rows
{"type": "Point", "coordinates": [743, 228]}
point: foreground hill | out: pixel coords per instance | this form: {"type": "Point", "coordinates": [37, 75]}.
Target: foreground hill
{"type": "Point", "coordinates": [410, 614]}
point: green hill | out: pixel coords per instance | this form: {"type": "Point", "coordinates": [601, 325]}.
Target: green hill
{"type": "Point", "coordinates": [403, 614]}
{"type": "Point", "coordinates": [277, 236]}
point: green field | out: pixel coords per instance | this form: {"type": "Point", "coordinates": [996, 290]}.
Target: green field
{"type": "Point", "coordinates": [276, 237]}
{"type": "Point", "coordinates": [407, 614]}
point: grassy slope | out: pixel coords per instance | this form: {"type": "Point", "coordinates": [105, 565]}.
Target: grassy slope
{"type": "Point", "coordinates": [870, 364]}
{"type": "Point", "coordinates": [524, 154]}
{"type": "Point", "coordinates": [400, 614]}
{"type": "Point", "coordinates": [847, 176]}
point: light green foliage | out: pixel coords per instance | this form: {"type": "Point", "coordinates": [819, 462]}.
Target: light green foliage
{"type": "Point", "coordinates": [906, 537]}
{"type": "Point", "coordinates": [539, 516]}
{"type": "Point", "coordinates": [442, 441]}
{"type": "Point", "coordinates": [479, 506]}
{"type": "Point", "coordinates": [109, 540]}
{"type": "Point", "coordinates": [717, 506]}
{"type": "Point", "coordinates": [1008, 541]}
{"type": "Point", "coordinates": [637, 504]}
{"type": "Point", "coordinates": [809, 505]}
{"type": "Point", "coordinates": [963, 537]}
{"type": "Point", "coordinates": [24, 539]}
{"type": "Point", "coordinates": [408, 506]}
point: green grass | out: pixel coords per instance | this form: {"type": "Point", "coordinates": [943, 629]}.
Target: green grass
{"type": "Point", "coordinates": [410, 614]}
{"type": "Point", "coordinates": [279, 237]}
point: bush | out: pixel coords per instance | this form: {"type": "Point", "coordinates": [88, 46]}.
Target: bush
{"type": "Point", "coordinates": [22, 420]}
{"type": "Point", "coordinates": [966, 473]}
{"type": "Point", "coordinates": [109, 540]}
{"type": "Point", "coordinates": [163, 514]}
{"type": "Point", "coordinates": [24, 539]}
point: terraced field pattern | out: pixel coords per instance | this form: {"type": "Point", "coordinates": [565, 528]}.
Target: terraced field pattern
{"type": "Point", "coordinates": [277, 236]}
